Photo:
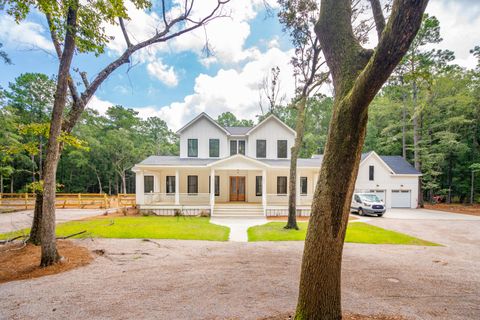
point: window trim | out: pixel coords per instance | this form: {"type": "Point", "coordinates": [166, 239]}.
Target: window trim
{"type": "Point", "coordinates": [144, 183]}
{"type": "Point", "coordinates": [278, 149]}
{"type": "Point", "coordinates": [210, 148]}
{"type": "Point", "coordinates": [196, 185]}
{"type": "Point", "coordinates": [306, 186]}
{"type": "Point", "coordinates": [193, 155]}
{"type": "Point", "coordinates": [257, 148]}
{"type": "Point", "coordinates": [371, 173]}
{"type": "Point", "coordinates": [278, 185]}
{"type": "Point", "coordinates": [258, 187]}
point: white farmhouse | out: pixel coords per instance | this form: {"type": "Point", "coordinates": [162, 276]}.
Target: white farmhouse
{"type": "Point", "coordinates": [248, 168]}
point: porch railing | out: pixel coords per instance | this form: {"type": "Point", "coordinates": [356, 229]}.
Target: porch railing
{"type": "Point", "coordinates": [159, 198]}
{"type": "Point", "coordinates": [169, 198]}
{"type": "Point", "coordinates": [282, 199]}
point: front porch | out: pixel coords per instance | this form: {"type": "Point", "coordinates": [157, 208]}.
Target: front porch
{"type": "Point", "coordinates": [242, 186]}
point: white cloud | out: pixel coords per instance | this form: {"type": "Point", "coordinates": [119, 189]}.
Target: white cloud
{"type": "Point", "coordinates": [231, 90]}
{"type": "Point", "coordinates": [100, 105]}
{"type": "Point", "coordinates": [24, 35]}
{"type": "Point", "coordinates": [163, 73]}
{"type": "Point", "coordinates": [459, 28]}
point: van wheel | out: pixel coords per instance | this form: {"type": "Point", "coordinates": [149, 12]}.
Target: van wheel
{"type": "Point", "coordinates": [360, 212]}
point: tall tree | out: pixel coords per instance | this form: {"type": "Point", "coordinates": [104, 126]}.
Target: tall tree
{"type": "Point", "coordinates": [228, 119]}
{"type": "Point", "coordinates": [358, 74]}
{"type": "Point", "coordinates": [298, 17]}
{"type": "Point", "coordinates": [87, 34]}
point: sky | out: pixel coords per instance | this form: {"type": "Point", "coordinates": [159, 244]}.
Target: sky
{"type": "Point", "coordinates": [176, 80]}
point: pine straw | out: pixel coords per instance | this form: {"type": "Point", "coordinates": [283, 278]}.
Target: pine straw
{"type": "Point", "coordinates": [19, 262]}
{"type": "Point", "coordinates": [347, 316]}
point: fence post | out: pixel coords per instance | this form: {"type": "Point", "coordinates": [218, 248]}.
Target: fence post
{"type": "Point", "coordinates": [80, 200]}
{"type": "Point", "coordinates": [26, 201]}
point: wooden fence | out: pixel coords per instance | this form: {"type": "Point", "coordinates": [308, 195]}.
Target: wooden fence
{"type": "Point", "coordinates": [69, 200]}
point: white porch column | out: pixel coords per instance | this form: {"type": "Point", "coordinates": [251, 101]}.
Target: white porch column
{"type": "Point", "coordinates": [139, 188]}
{"type": "Point", "coordinates": [264, 191]}
{"type": "Point", "coordinates": [315, 180]}
{"type": "Point", "coordinates": [177, 187]}
{"type": "Point", "coordinates": [212, 190]}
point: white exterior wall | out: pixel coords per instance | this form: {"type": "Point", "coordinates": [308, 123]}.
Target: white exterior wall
{"type": "Point", "coordinates": [384, 180]}
{"type": "Point", "coordinates": [271, 131]}
{"type": "Point", "coordinates": [203, 130]}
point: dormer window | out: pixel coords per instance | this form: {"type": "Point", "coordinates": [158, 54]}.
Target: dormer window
{"type": "Point", "coordinates": [193, 148]}
{"type": "Point", "coordinates": [214, 148]}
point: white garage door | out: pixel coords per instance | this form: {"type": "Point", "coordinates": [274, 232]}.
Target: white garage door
{"type": "Point", "coordinates": [401, 198]}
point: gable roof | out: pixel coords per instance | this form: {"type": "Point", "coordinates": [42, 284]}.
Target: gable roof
{"type": "Point", "coordinates": [200, 116]}
{"type": "Point", "coordinates": [234, 131]}
{"type": "Point", "coordinates": [271, 116]}
{"type": "Point", "coordinates": [396, 164]}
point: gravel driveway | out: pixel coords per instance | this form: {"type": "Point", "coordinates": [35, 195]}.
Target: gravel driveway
{"type": "Point", "coordinates": [169, 279]}
{"type": "Point", "coordinates": [23, 219]}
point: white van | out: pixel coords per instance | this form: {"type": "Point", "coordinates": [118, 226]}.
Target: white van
{"type": "Point", "coordinates": [367, 203]}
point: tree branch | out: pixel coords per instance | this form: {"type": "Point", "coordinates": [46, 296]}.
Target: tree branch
{"type": "Point", "coordinates": [405, 20]}
{"type": "Point", "coordinates": [124, 31]}
{"type": "Point", "coordinates": [378, 17]}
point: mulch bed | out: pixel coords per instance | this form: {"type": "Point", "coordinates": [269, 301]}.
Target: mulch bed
{"type": "Point", "coordinates": [284, 218]}
{"type": "Point", "coordinates": [347, 316]}
{"type": "Point", "coordinates": [19, 261]}
{"type": "Point", "coordinates": [473, 210]}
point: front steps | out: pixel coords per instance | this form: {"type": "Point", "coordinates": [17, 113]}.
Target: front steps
{"type": "Point", "coordinates": [238, 210]}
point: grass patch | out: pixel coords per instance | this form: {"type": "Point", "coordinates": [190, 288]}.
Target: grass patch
{"type": "Point", "coordinates": [357, 232]}
{"type": "Point", "coordinates": [151, 227]}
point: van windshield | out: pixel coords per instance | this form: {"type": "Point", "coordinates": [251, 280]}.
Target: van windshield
{"type": "Point", "coordinates": [370, 197]}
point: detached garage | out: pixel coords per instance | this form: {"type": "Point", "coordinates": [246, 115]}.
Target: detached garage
{"type": "Point", "coordinates": [391, 178]}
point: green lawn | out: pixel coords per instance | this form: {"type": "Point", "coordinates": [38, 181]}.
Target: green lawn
{"type": "Point", "coordinates": [357, 232]}
{"type": "Point", "coordinates": [151, 227]}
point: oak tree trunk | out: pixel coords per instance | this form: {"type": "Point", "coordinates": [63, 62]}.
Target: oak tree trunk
{"type": "Point", "coordinates": [358, 75]}
{"type": "Point", "coordinates": [295, 150]}
{"type": "Point", "coordinates": [49, 247]}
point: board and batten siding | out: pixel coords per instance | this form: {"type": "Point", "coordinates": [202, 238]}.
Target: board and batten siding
{"type": "Point", "coordinates": [271, 131]}
{"type": "Point", "coordinates": [203, 130]}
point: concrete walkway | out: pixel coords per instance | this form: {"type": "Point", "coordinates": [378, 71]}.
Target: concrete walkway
{"type": "Point", "coordinates": [23, 219]}
{"type": "Point", "coordinates": [238, 226]}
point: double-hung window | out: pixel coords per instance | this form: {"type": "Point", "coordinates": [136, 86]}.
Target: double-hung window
{"type": "Point", "coordinates": [303, 185]}
{"type": "Point", "coordinates": [193, 148]}
{"type": "Point", "coordinates": [192, 184]}
{"type": "Point", "coordinates": [170, 187]}
{"type": "Point", "coordinates": [281, 185]}
{"type": "Point", "coordinates": [148, 184]}
{"type": "Point", "coordinates": [261, 148]}
{"type": "Point", "coordinates": [217, 185]}
{"type": "Point", "coordinates": [258, 186]}
{"type": "Point", "coordinates": [282, 149]}
{"type": "Point", "coordinates": [214, 148]}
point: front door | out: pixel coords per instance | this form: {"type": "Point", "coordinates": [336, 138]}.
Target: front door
{"type": "Point", "coordinates": [237, 188]}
